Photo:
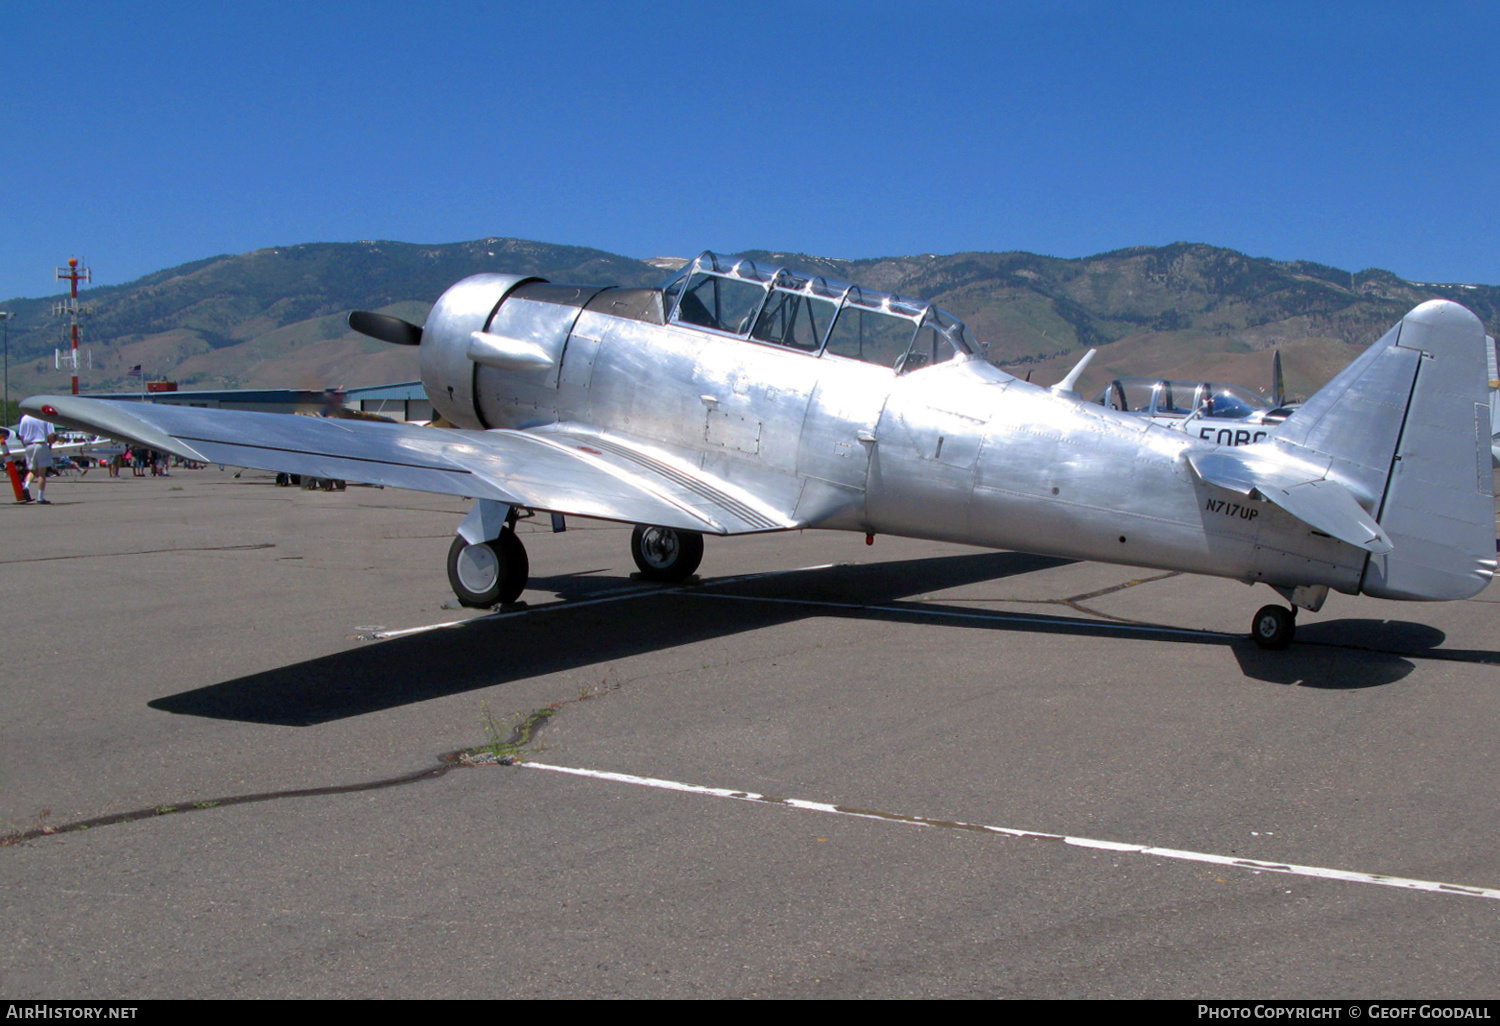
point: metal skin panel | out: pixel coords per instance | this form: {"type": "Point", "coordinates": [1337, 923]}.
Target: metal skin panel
{"type": "Point", "coordinates": [644, 386]}
{"type": "Point", "coordinates": [1067, 478]}
{"type": "Point", "coordinates": [541, 316]}
{"type": "Point", "coordinates": [755, 397]}
{"type": "Point", "coordinates": [752, 405]}
{"type": "Point", "coordinates": [447, 372]}
{"type": "Point", "coordinates": [927, 448]}
{"type": "Point", "coordinates": [838, 438]}
{"type": "Point", "coordinates": [579, 358]}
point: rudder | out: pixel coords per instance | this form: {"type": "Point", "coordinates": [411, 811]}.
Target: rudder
{"type": "Point", "coordinates": [1405, 428]}
{"type": "Point", "coordinates": [1439, 503]}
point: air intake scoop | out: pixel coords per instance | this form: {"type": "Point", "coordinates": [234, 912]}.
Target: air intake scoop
{"type": "Point", "coordinates": [504, 353]}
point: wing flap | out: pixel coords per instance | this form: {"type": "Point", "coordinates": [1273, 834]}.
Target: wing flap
{"type": "Point", "coordinates": [1322, 504]}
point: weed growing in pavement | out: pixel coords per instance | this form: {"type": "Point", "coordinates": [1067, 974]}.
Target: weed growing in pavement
{"type": "Point", "coordinates": [506, 736]}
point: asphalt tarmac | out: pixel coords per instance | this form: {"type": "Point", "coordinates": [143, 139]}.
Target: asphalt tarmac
{"type": "Point", "coordinates": [243, 692]}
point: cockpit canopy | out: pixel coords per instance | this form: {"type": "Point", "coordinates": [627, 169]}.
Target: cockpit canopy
{"type": "Point", "coordinates": [1161, 398]}
{"type": "Point", "coordinates": [813, 314]}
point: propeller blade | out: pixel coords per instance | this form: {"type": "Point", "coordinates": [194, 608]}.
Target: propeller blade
{"type": "Point", "coordinates": [386, 328]}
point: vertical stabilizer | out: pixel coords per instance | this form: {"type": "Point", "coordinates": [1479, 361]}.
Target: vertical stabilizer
{"type": "Point", "coordinates": [1439, 505]}
{"type": "Point", "coordinates": [1406, 428]}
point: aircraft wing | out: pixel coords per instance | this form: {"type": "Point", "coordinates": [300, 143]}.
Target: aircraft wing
{"type": "Point", "coordinates": [578, 472]}
{"type": "Point", "coordinates": [1322, 504]}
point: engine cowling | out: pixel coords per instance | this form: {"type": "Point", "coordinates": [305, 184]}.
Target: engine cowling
{"type": "Point", "coordinates": [448, 373]}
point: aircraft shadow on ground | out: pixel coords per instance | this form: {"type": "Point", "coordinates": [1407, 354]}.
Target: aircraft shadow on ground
{"type": "Point", "coordinates": [489, 652]}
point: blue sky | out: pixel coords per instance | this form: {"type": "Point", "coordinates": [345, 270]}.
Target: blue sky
{"type": "Point", "coordinates": [143, 135]}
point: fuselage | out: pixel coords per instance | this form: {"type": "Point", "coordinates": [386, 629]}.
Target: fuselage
{"type": "Point", "coordinates": [954, 451]}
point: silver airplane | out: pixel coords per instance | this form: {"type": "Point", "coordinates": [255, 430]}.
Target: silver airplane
{"type": "Point", "coordinates": [740, 399]}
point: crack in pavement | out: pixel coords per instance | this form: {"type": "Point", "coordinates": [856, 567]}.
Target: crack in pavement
{"type": "Point", "coordinates": [496, 752]}
{"type": "Point", "coordinates": [1076, 601]}
{"type": "Point", "coordinates": [144, 552]}
{"type": "Point", "coordinates": [155, 811]}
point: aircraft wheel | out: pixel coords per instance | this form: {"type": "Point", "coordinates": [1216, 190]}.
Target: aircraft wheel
{"type": "Point", "coordinates": [664, 554]}
{"type": "Point", "coordinates": [1273, 627]}
{"type": "Point", "coordinates": [488, 574]}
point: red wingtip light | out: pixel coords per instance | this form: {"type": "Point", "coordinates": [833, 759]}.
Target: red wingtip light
{"type": "Point", "coordinates": [50, 410]}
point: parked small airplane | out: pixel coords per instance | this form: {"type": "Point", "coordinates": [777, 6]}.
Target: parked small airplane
{"type": "Point", "coordinates": [739, 399]}
{"type": "Point", "coordinates": [1209, 410]}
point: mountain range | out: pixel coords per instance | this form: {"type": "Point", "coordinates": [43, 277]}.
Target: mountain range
{"type": "Point", "coordinates": [276, 317]}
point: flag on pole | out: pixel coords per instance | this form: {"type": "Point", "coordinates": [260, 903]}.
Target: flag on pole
{"type": "Point", "coordinates": [134, 372]}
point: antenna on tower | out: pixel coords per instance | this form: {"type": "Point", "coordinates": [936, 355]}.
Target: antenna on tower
{"type": "Point", "coordinates": [71, 309]}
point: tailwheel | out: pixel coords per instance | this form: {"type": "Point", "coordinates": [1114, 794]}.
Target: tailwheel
{"type": "Point", "coordinates": [492, 573]}
{"type": "Point", "coordinates": [1274, 627]}
{"type": "Point", "coordinates": [665, 554]}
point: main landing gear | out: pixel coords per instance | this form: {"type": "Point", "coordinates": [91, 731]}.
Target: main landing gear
{"type": "Point", "coordinates": [492, 573]}
{"type": "Point", "coordinates": [665, 554]}
{"type": "Point", "coordinates": [1274, 626]}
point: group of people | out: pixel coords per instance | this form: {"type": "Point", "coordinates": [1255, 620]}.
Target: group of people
{"type": "Point", "coordinates": [36, 440]}
{"type": "Point", "coordinates": [139, 460]}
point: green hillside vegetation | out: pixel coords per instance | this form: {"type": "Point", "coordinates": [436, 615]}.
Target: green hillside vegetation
{"type": "Point", "coordinates": [276, 317]}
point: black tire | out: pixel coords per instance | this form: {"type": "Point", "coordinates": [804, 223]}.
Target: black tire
{"type": "Point", "coordinates": [1273, 627]}
{"type": "Point", "coordinates": [517, 566]}
{"type": "Point", "coordinates": [488, 574]}
{"type": "Point", "coordinates": [665, 554]}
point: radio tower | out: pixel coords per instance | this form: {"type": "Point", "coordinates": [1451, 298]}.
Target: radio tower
{"type": "Point", "coordinates": [74, 274]}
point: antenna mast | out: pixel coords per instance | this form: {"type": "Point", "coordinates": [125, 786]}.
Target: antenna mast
{"type": "Point", "coordinates": [70, 309]}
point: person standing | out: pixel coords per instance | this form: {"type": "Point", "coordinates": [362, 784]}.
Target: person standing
{"type": "Point", "coordinates": [10, 466]}
{"type": "Point", "coordinates": [37, 435]}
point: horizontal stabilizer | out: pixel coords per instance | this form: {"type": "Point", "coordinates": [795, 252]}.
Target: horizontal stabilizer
{"type": "Point", "coordinates": [1321, 504]}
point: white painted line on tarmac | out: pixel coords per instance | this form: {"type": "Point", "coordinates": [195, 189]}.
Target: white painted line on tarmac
{"type": "Point", "coordinates": [614, 596]}
{"type": "Point", "coordinates": [1318, 872]}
